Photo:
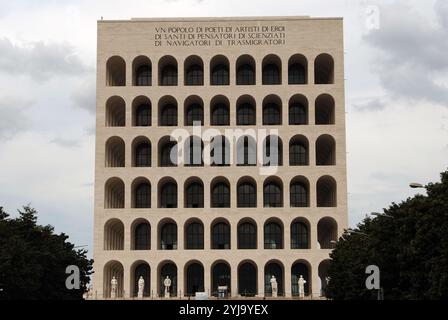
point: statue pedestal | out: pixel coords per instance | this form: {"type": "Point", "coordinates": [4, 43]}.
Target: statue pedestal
{"type": "Point", "coordinates": [274, 294]}
{"type": "Point", "coordinates": [113, 295]}
{"type": "Point", "coordinates": [140, 296]}
{"type": "Point", "coordinates": [167, 294]}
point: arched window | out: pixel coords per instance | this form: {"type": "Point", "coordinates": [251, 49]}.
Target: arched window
{"type": "Point", "coordinates": [272, 110]}
{"type": "Point", "coordinates": [300, 269]}
{"type": "Point", "coordinates": [143, 115]}
{"type": "Point", "coordinates": [168, 236]}
{"type": "Point", "coordinates": [323, 69]}
{"type": "Point", "coordinates": [272, 194]}
{"type": "Point", "coordinates": [168, 195]}
{"type": "Point", "coordinates": [327, 233]}
{"type": "Point", "coordinates": [326, 192]}
{"type": "Point", "coordinates": [325, 106]}
{"type": "Point", "coordinates": [168, 270]}
{"type": "Point", "coordinates": [325, 151]}
{"type": "Point", "coordinates": [114, 235]}
{"type": "Point", "coordinates": [194, 195]}
{"type": "Point", "coordinates": [323, 269]}
{"type": "Point", "coordinates": [273, 269]}
{"type": "Point", "coordinates": [194, 115]}
{"type": "Point", "coordinates": [298, 192]}
{"type": "Point", "coordinates": [246, 194]}
{"type": "Point", "coordinates": [297, 69]}
{"type": "Point", "coordinates": [193, 151]}
{"type": "Point", "coordinates": [220, 194]}
{"type": "Point", "coordinates": [298, 151]}
{"type": "Point", "coordinates": [194, 71]}
{"type": "Point", "coordinates": [113, 269]}
{"type": "Point", "coordinates": [273, 235]}
{"type": "Point", "coordinates": [247, 235]}
{"type": "Point", "coordinates": [272, 67]}
{"type": "Point", "coordinates": [167, 71]}
{"type": "Point", "coordinates": [115, 112]}
{"type": "Point", "coordinates": [299, 235]}
{"type": "Point", "coordinates": [298, 110]}
{"type": "Point", "coordinates": [114, 194]}
{"type": "Point", "coordinates": [219, 67]}
{"type": "Point", "coordinates": [116, 71]}
{"type": "Point", "coordinates": [245, 112]}
{"type": "Point", "coordinates": [195, 279]}
{"type": "Point", "coordinates": [142, 71]}
{"type": "Point", "coordinates": [167, 111]}
{"type": "Point", "coordinates": [220, 277]}
{"type": "Point", "coordinates": [194, 239]}
{"type": "Point", "coordinates": [246, 151]}
{"type": "Point", "coordinates": [247, 279]}
{"type": "Point", "coordinates": [142, 195]}
{"type": "Point", "coordinates": [245, 70]}
{"type": "Point", "coordinates": [142, 236]}
{"type": "Point", "coordinates": [115, 153]}
{"type": "Point", "coordinates": [142, 270]}
{"type": "Point", "coordinates": [273, 151]}
{"type": "Point", "coordinates": [142, 152]}
{"type": "Point", "coordinates": [220, 114]}
{"type": "Point", "coordinates": [221, 235]}
{"type": "Point", "coordinates": [220, 151]}
{"type": "Point", "coordinates": [167, 152]}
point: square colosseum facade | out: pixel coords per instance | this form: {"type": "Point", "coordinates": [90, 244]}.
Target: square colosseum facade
{"type": "Point", "coordinates": [257, 206]}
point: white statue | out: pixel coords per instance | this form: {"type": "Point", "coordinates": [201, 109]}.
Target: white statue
{"type": "Point", "coordinates": [274, 286]}
{"type": "Point", "coordinates": [301, 282]}
{"type": "Point", "coordinates": [141, 287]}
{"type": "Point", "coordinates": [114, 285]}
{"type": "Point", "coordinates": [167, 284]}
{"type": "Point", "coordinates": [90, 292]}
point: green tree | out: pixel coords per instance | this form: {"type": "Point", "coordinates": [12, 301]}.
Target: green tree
{"type": "Point", "coordinates": [408, 242]}
{"type": "Point", "coordinates": [33, 259]}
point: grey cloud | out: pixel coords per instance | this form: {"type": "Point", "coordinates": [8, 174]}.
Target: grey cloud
{"type": "Point", "coordinates": [66, 143]}
{"type": "Point", "coordinates": [40, 60]}
{"type": "Point", "coordinates": [13, 118]}
{"type": "Point", "coordinates": [375, 104]}
{"type": "Point", "coordinates": [83, 95]}
{"type": "Point", "coordinates": [411, 53]}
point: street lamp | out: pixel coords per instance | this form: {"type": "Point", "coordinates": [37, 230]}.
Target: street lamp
{"type": "Point", "coordinates": [415, 185]}
{"type": "Point", "coordinates": [351, 231]}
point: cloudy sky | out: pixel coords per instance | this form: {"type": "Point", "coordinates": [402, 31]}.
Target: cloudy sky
{"type": "Point", "coordinates": [396, 96]}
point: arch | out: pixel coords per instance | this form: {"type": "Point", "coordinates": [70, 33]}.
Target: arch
{"type": "Point", "coordinates": [112, 269]}
{"type": "Point", "coordinates": [141, 152]}
{"type": "Point", "coordinates": [114, 193]}
{"type": "Point", "coordinates": [220, 111]}
{"type": "Point", "coordinates": [168, 71]}
{"type": "Point", "coordinates": [246, 151]}
{"type": "Point", "coordinates": [193, 151]}
{"type": "Point", "coordinates": [140, 269]}
{"type": "Point", "coordinates": [272, 192]}
{"type": "Point", "coordinates": [297, 69]}
{"type": "Point", "coordinates": [247, 234]}
{"type": "Point", "coordinates": [326, 191]}
{"type": "Point", "coordinates": [193, 111]}
{"type": "Point", "coordinates": [298, 110]}
{"type": "Point", "coordinates": [167, 268]}
{"type": "Point", "coordinates": [115, 152]}
{"type": "Point", "coordinates": [219, 71]}
{"type": "Point", "coordinates": [299, 192]}
{"type": "Point", "coordinates": [245, 70]}
{"type": "Point", "coordinates": [272, 110]}
{"type": "Point", "coordinates": [167, 114]}
{"type": "Point", "coordinates": [193, 71]}
{"type": "Point", "coordinates": [324, 69]}
{"type": "Point", "coordinates": [194, 193]}
{"type": "Point", "coordinates": [323, 269]}
{"type": "Point", "coordinates": [274, 268]}
{"type": "Point", "coordinates": [220, 193]}
{"type": "Point", "coordinates": [246, 193]}
{"type": "Point", "coordinates": [325, 110]}
{"type": "Point", "coordinates": [325, 150]}
{"type": "Point", "coordinates": [167, 152]}
{"type": "Point", "coordinates": [141, 193]}
{"type": "Point", "coordinates": [220, 234]}
{"type": "Point", "coordinates": [246, 111]}
{"type": "Point", "coordinates": [272, 70]}
{"type": "Point", "coordinates": [327, 233]}
{"type": "Point", "coordinates": [299, 151]}
{"type": "Point", "coordinates": [300, 268]}
{"type": "Point", "coordinates": [140, 234]}
{"type": "Point", "coordinates": [220, 151]}
{"type": "Point", "coordinates": [194, 278]}
{"type": "Point", "coordinates": [247, 278]}
{"type": "Point", "coordinates": [115, 71]}
{"type": "Point", "coordinates": [221, 276]}
{"type": "Point", "coordinates": [167, 234]}
{"type": "Point", "coordinates": [167, 191]}
{"type": "Point", "coordinates": [115, 112]}
{"type": "Point", "coordinates": [114, 235]}
{"type": "Point", "coordinates": [273, 234]}
{"type": "Point", "coordinates": [141, 71]}
{"type": "Point", "coordinates": [194, 234]}
{"type": "Point", "coordinates": [300, 234]}
{"type": "Point", "coordinates": [141, 112]}
{"type": "Point", "coordinates": [272, 151]}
